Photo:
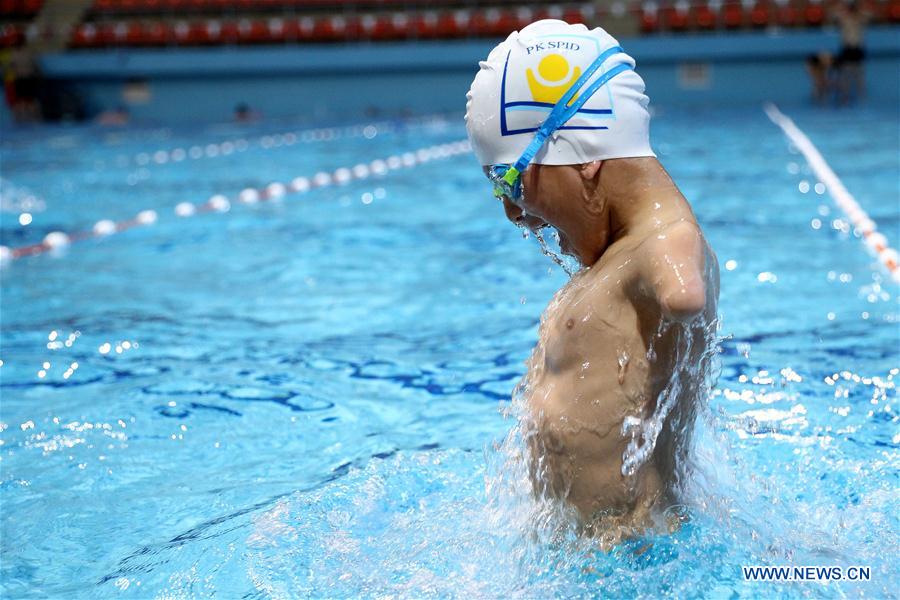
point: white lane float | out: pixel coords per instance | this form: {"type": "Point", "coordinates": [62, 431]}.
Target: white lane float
{"type": "Point", "coordinates": [875, 241]}
{"type": "Point", "coordinates": [221, 203]}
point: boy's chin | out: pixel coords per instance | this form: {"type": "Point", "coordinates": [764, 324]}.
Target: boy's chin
{"type": "Point", "coordinates": [566, 249]}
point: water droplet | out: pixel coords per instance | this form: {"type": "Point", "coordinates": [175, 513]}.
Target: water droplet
{"type": "Point", "coordinates": [623, 365]}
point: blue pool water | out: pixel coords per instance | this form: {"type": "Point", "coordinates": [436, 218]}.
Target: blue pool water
{"type": "Point", "coordinates": [304, 398]}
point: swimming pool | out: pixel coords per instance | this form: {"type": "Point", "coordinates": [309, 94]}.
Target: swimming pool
{"type": "Point", "coordinates": [300, 398]}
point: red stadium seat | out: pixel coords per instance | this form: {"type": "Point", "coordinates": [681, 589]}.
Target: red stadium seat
{"type": "Point", "coordinates": [733, 15]}
{"type": "Point", "coordinates": [787, 16]}
{"type": "Point", "coordinates": [84, 36]}
{"type": "Point", "coordinates": [674, 19]}
{"type": "Point", "coordinates": [229, 33]}
{"type": "Point", "coordinates": [448, 26]}
{"type": "Point", "coordinates": [401, 25]}
{"type": "Point", "coordinates": [149, 6]}
{"type": "Point", "coordinates": [524, 16]}
{"type": "Point", "coordinates": [508, 23]}
{"type": "Point", "coordinates": [117, 33]}
{"type": "Point", "coordinates": [893, 12]}
{"type": "Point", "coordinates": [106, 34]}
{"type": "Point", "coordinates": [760, 15]}
{"type": "Point", "coordinates": [463, 21]}
{"type": "Point", "coordinates": [198, 34]}
{"type": "Point", "coordinates": [11, 36]}
{"type": "Point", "coordinates": [704, 17]}
{"type": "Point", "coordinates": [325, 31]}
{"type": "Point", "coordinates": [284, 30]}
{"type": "Point", "coordinates": [304, 28]}
{"type": "Point", "coordinates": [385, 29]}
{"type": "Point", "coordinates": [649, 20]}
{"type": "Point", "coordinates": [573, 15]}
{"type": "Point", "coordinates": [813, 14]}
{"type": "Point", "coordinates": [291, 30]}
{"type": "Point", "coordinates": [31, 7]}
{"type": "Point", "coordinates": [589, 14]}
{"type": "Point", "coordinates": [181, 31]}
{"type": "Point", "coordinates": [493, 22]}
{"type": "Point", "coordinates": [425, 25]}
{"type": "Point", "coordinates": [277, 30]}
{"type": "Point", "coordinates": [253, 32]}
{"type": "Point", "coordinates": [554, 11]}
{"type": "Point", "coordinates": [157, 33]}
{"type": "Point", "coordinates": [134, 34]}
{"type": "Point", "coordinates": [351, 27]}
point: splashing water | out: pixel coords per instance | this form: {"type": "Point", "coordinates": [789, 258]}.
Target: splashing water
{"type": "Point", "coordinates": [568, 264]}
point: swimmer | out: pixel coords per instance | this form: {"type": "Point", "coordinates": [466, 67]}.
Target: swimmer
{"type": "Point", "coordinates": [558, 118]}
{"type": "Point", "coordinates": [244, 114]}
{"type": "Point", "coordinates": [114, 118]}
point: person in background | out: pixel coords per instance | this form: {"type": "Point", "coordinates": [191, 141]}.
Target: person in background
{"type": "Point", "coordinates": [851, 19]}
{"type": "Point", "coordinates": [820, 68]}
{"type": "Point", "coordinates": [22, 85]}
{"type": "Point", "coordinates": [117, 117]}
{"type": "Point", "coordinates": [244, 114]}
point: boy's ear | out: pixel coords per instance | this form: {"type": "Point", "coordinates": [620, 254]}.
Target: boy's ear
{"type": "Point", "coordinates": [590, 175]}
{"type": "Point", "coordinates": [590, 170]}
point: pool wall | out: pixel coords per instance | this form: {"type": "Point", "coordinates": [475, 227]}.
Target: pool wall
{"type": "Point", "coordinates": [343, 81]}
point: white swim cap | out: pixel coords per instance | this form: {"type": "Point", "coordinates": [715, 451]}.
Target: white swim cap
{"type": "Point", "coordinates": [523, 78]}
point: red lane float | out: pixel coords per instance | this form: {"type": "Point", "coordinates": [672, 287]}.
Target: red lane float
{"type": "Point", "coordinates": [875, 241]}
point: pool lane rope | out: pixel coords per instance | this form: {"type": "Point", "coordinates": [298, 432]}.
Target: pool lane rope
{"type": "Point", "coordinates": [275, 140]}
{"type": "Point", "coordinates": [874, 240]}
{"type": "Point", "coordinates": [221, 203]}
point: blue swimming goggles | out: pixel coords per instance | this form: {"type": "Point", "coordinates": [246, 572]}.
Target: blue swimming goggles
{"type": "Point", "coordinates": [507, 178]}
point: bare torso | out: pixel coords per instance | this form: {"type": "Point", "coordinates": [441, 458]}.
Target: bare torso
{"type": "Point", "coordinates": [606, 359]}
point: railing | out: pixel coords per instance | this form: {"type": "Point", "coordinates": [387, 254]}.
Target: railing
{"type": "Point", "coordinates": [158, 23]}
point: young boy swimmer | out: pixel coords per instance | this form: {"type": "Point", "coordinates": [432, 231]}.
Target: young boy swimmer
{"type": "Point", "coordinates": [558, 118]}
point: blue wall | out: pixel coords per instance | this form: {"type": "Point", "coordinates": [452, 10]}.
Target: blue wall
{"type": "Point", "coordinates": [327, 82]}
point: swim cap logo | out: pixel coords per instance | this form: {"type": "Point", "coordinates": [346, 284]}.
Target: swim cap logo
{"type": "Point", "coordinates": [554, 78]}
{"type": "Point", "coordinates": [538, 75]}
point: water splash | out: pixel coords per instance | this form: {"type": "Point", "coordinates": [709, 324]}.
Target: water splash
{"type": "Point", "coordinates": [567, 263]}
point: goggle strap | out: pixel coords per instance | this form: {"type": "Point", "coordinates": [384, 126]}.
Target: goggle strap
{"type": "Point", "coordinates": [593, 88]}
{"type": "Point", "coordinates": [560, 107]}
{"type": "Point", "coordinates": [561, 113]}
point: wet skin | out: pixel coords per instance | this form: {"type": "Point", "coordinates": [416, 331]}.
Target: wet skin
{"type": "Point", "coordinates": [610, 339]}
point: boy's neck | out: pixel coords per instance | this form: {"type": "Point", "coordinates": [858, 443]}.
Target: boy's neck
{"type": "Point", "coordinates": [642, 198]}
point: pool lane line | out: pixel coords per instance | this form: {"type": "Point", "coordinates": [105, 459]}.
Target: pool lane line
{"type": "Point", "coordinates": [221, 203]}
{"type": "Point", "coordinates": [276, 140]}
{"type": "Point", "coordinates": [875, 241]}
